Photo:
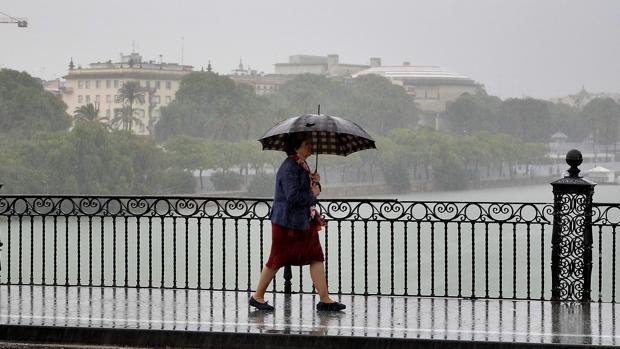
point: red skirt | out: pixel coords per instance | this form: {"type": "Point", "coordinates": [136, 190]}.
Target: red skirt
{"type": "Point", "coordinates": [294, 247]}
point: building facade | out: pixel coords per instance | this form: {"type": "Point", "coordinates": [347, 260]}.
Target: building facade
{"type": "Point", "coordinates": [322, 65]}
{"type": "Point", "coordinates": [99, 84]}
{"type": "Point", "coordinates": [263, 84]}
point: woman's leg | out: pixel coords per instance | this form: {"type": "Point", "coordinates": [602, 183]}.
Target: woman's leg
{"type": "Point", "coordinates": [265, 279]}
{"type": "Point", "coordinates": [317, 273]}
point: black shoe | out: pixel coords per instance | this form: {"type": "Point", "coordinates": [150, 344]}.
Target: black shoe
{"type": "Point", "coordinates": [335, 306]}
{"type": "Point", "coordinates": [260, 306]}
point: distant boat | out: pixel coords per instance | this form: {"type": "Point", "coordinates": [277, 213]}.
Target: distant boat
{"type": "Point", "coordinates": [601, 175]}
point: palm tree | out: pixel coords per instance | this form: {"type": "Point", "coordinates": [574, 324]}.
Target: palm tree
{"type": "Point", "coordinates": [130, 93]}
{"type": "Point", "coordinates": [88, 113]}
{"type": "Point", "coordinates": [125, 117]}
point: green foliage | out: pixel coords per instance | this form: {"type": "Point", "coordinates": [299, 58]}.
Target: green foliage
{"type": "Point", "coordinates": [211, 106]}
{"type": "Point", "coordinates": [380, 105]}
{"type": "Point", "coordinates": [528, 119]}
{"type": "Point", "coordinates": [393, 165]}
{"type": "Point", "coordinates": [26, 108]}
{"type": "Point", "coordinates": [177, 181]}
{"type": "Point", "coordinates": [473, 113]}
{"type": "Point", "coordinates": [188, 153]}
{"type": "Point", "coordinates": [87, 112]}
{"type": "Point", "coordinates": [87, 160]}
{"type": "Point", "coordinates": [213, 124]}
{"type": "Point", "coordinates": [262, 185]}
{"type": "Point", "coordinates": [570, 121]}
{"type": "Point", "coordinates": [371, 101]}
{"type": "Point", "coordinates": [450, 161]}
{"type": "Point", "coordinates": [448, 167]}
{"type": "Point", "coordinates": [603, 114]}
{"type": "Point", "coordinates": [130, 93]}
{"type": "Point", "coordinates": [226, 180]}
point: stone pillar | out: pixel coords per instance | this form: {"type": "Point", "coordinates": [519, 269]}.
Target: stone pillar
{"type": "Point", "coordinates": [571, 255]}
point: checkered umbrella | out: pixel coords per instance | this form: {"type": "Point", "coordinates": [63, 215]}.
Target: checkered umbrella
{"type": "Point", "coordinates": [330, 134]}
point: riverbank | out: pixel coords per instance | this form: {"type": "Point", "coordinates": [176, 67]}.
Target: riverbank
{"type": "Point", "coordinates": [356, 190]}
{"type": "Point", "coordinates": [374, 189]}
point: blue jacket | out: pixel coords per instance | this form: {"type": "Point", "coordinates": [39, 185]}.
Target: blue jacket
{"type": "Point", "coordinates": [293, 197]}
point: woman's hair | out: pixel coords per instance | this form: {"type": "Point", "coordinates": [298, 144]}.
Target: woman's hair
{"type": "Point", "coordinates": [294, 141]}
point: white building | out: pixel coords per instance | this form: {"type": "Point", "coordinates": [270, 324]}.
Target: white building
{"type": "Point", "coordinates": [99, 84]}
{"type": "Point", "coordinates": [321, 65]}
{"type": "Point", "coordinates": [263, 84]}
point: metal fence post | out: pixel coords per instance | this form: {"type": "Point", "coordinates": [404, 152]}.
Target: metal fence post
{"type": "Point", "coordinates": [288, 275]}
{"type": "Point", "coordinates": [571, 256]}
{"type": "Point", "coordinates": [1, 244]}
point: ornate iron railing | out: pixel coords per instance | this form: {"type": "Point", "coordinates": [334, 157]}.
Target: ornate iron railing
{"type": "Point", "coordinates": [605, 224]}
{"type": "Point", "coordinates": [373, 247]}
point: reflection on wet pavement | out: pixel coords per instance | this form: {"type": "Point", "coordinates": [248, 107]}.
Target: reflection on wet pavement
{"type": "Point", "coordinates": [372, 316]}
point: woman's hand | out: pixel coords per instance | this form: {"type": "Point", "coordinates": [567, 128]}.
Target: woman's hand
{"type": "Point", "coordinates": [316, 177]}
{"type": "Point", "coordinates": [316, 190]}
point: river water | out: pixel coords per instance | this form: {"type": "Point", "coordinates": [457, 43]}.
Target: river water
{"type": "Point", "coordinates": [533, 193]}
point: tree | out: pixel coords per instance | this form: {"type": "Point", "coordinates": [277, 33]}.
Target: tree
{"type": "Point", "coordinates": [125, 118]}
{"type": "Point", "coordinates": [88, 160]}
{"type": "Point", "coordinates": [26, 108]}
{"type": "Point", "coordinates": [528, 119]}
{"type": "Point", "coordinates": [380, 105]}
{"type": "Point", "coordinates": [188, 153]}
{"type": "Point", "coordinates": [569, 120]}
{"type": "Point", "coordinates": [89, 113]}
{"type": "Point", "coordinates": [211, 106]}
{"type": "Point", "coordinates": [302, 95]}
{"type": "Point", "coordinates": [371, 101]}
{"type": "Point", "coordinates": [472, 113]}
{"type": "Point", "coordinates": [604, 117]}
{"type": "Point", "coordinates": [129, 94]}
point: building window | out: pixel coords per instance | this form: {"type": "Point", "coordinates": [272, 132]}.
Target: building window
{"type": "Point", "coordinates": [156, 99]}
{"type": "Point", "coordinates": [87, 99]}
{"type": "Point", "coordinates": [108, 84]}
{"type": "Point", "coordinates": [80, 84]}
{"type": "Point", "coordinates": [97, 98]}
{"type": "Point", "coordinates": [115, 83]}
{"type": "Point", "coordinates": [168, 99]}
{"type": "Point", "coordinates": [117, 98]}
{"type": "Point", "coordinates": [97, 83]}
{"type": "Point", "coordinates": [107, 113]}
{"type": "Point", "coordinates": [168, 85]}
{"type": "Point", "coordinates": [87, 84]}
{"type": "Point", "coordinates": [80, 99]}
{"type": "Point", "coordinates": [157, 84]}
{"type": "Point", "coordinates": [108, 99]}
{"type": "Point", "coordinates": [148, 84]}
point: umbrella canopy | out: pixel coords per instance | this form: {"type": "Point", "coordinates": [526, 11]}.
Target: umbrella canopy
{"type": "Point", "coordinates": [330, 134]}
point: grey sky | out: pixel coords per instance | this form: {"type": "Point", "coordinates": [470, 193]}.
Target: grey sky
{"type": "Point", "coordinates": [516, 48]}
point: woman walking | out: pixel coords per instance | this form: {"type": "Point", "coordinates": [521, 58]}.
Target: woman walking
{"type": "Point", "coordinates": [295, 224]}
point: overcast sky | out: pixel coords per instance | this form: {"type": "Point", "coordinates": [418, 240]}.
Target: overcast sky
{"type": "Point", "coordinates": [515, 48]}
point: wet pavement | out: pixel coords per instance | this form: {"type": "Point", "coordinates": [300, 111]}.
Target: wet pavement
{"type": "Point", "coordinates": [384, 321]}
